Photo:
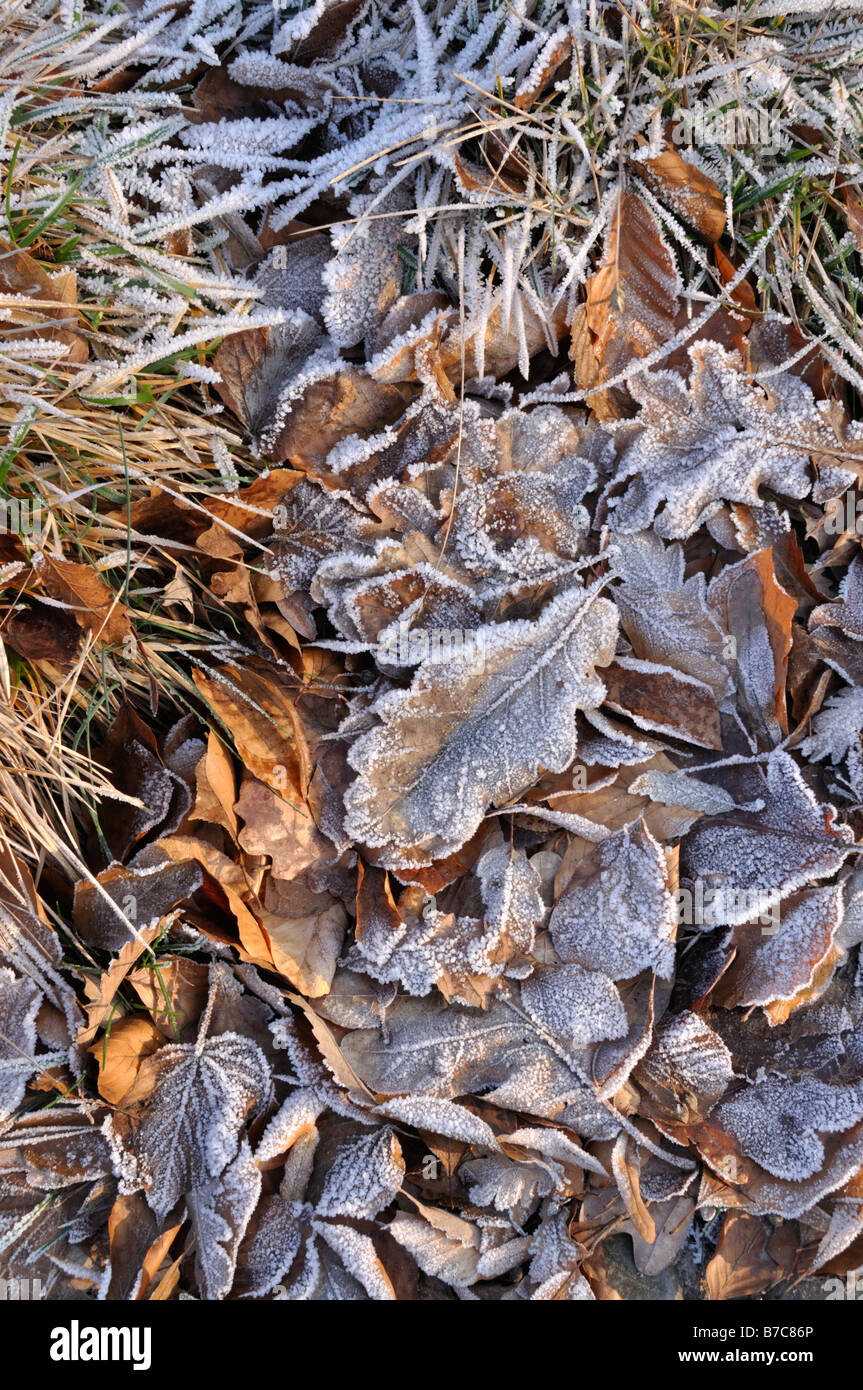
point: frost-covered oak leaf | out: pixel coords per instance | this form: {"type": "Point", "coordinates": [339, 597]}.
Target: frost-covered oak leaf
{"type": "Point", "coordinates": [462, 738]}
{"type": "Point", "coordinates": [756, 857]}
{"type": "Point", "coordinates": [721, 438]}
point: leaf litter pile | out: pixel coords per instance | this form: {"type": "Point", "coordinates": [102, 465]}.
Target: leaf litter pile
{"type": "Point", "coordinates": [431, 718]}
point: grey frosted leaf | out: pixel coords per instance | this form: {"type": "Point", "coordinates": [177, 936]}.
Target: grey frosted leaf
{"type": "Point", "coordinates": [778, 1122]}
{"type": "Point", "coordinates": [434, 1050]}
{"type": "Point", "coordinates": [549, 441]}
{"type": "Point", "coordinates": [290, 277]}
{"type": "Point", "coordinates": [360, 1259]}
{"type": "Point", "coordinates": [364, 1176]}
{"type": "Point", "coordinates": [310, 524]}
{"type": "Point", "coordinates": [564, 1287]}
{"type": "Point", "coordinates": [676, 789]}
{"type": "Point", "coordinates": [353, 1001]}
{"type": "Point", "coordinates": [268, 1256]}
{"type": "Point", "coordinates": [510, 889]}
{"type": "Point", "coordinates": [536, 1081]}
{"type": "Point", "coordinates": [297, 1115]}
{"type": "Point", "coordinates": [553, 1252]}
{"type": "Point", "coordinates": [440, 1116]}
{"type": "Point", "coordinates": [846, 1223]}
{"type": "Point", "coordinates": [554, 1144]}
{"type": "Point", "coordinates": [588, 1117]}
{"type": "Point", "coordinates": [847, 612]}
{"type": "Point", "coordinates": [767, 854]}
{"type": "Point", "coordinates": [220, 1213]}
{"type": "Point", "coordinates": [576, 1006]}
{"type": "Point", "coordinates": [313, 1275]}
{"type": "Point", "coordinates": [204, 1094]}
{"type": "Point", "coordinates": [612, 745]}
{"type": "Point", "coordinates": [461, 738]}
{"type": "Point", "coordinates": [363, 279]}
{"type": "Point", "coordinates": [437, 1253]}
{"type": "Point", "coordinates": [31, 946]}
{"type": "Point", "coordinates": [436, 949]}
{"type": "Point", "coordinates": [500, 1259]}
{"type": "Point", "coordinates": [780, 963]}
{"type": "Point", "coordinates": [608, 1064]}
{"type": "Point", "coordinates": [836, 727]}
{"type": "Point", "coordinates": [462, 956]}
{"type": "Point", "coordinates": [665, 616]}
{"type": "Point", "coordinates": [331, 1282]}
{"type": "Point", "coordinates": [617, 914]}
{"type": "Point", "coordinates": [851, 928]}
{"type": "Point", "coordinates": [687, 1065]}
{"type": "Point", "coordinates": [20, 1001]}
{"type": "Point", "coordinates": [720, 438]}
{"type": "Point", "coordinates": [510, 1187]}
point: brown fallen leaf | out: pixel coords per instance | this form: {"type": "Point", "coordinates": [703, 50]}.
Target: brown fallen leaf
{"type": "Point", "coordinates": [280, 827]}
{"type": "Point", "coordinates": [103, 994]}
{"type": "Point", "coordinates": [95, 607]}
{"type": "Point", "coordinates": [686, 191]}
{"type": "Point", "coordinates": [49, 307]}
{"type": "Point", "coordinates": [854, 213]}
{"type": "Point", "coordinates": [260, 713]}
{"type": "Point", "coordinates": [346, 403]}
{"type": "Point", "coordinates": [143, 896]}
{"type": "Point", "coordinates": [757, 612]}
{"type": "Point", "coordinates": [630, 307]}
{"type": "Point", "coordinates": [174, 991]}
{"type": "Point", "coordinates": [658, 698]}
{"type": "Point", "coordinates": [743, 295]}
{"type": "Point", "coordinates": [120, 1054]}
{"type": "Point", "coordinates": [305, 931]}
{"type": "Point", "coordinates": [216, 787]}
{"type": "Point", "coordinates": [741, 1265]}
{"type": "Point", "coordinates": [42, 633]}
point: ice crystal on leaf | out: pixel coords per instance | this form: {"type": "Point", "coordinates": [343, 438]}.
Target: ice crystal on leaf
{"type": "Point", "coordinates": [220, 1212]}
{"type": "Point", "coordinates": [576, 1006]}
{"type": "Point", "coordinates": [836, 729]}
{"type": "Point", "coordinates": [847, 613]}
